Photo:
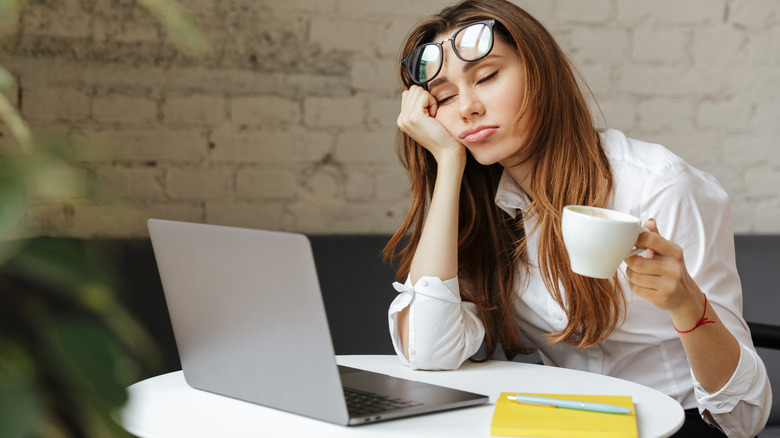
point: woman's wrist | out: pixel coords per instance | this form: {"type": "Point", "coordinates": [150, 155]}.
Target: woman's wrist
{"type": "Point", "coordinates": [453, 157]}
{"type": "Point", "coordinates": [690, 313]}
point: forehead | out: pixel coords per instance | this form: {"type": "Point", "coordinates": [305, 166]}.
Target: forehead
{"type": "Point", "coordinates": [449, 33]}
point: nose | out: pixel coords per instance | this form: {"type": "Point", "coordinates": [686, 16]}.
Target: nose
{"type": "Point", "coordinates": [470, 105]}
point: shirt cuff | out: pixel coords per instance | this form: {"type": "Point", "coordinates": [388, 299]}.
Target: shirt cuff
{"type": "Point", "coordinates": [723, 400]}
{"type": "Point", "coordinates": [426, 289]}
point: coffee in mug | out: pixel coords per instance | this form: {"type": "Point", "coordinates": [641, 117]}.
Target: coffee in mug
{"type": "Point", "coordinates": [598, 239]}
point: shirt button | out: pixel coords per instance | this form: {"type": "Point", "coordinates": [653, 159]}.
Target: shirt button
{"type": "Point", "coordinates": [424, 283]}
{"type": "Point", "coordinates": [411, 350]}
{"type": "Point", "coordinates": [560, 318]}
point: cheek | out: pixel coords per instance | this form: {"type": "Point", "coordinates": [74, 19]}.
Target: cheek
{"type": "Point", "coordinates": [447, 116]}
{"type": "Point", "coordinates": [508, 100]}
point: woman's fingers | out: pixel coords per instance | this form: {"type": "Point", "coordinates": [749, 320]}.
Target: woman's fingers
{"type": "Point", "coordinates": [418, 102]}
{"type": "Point", "coordinates": [659, 273]}
{"type": "Point", "coordinates": [414, 108]}
{"type": "Point", "coordinates": [433, 108]}
{"type": "Point", "coordinates": [663, 279]}
{"type": "Point", "coordinates": [654, 242]}
{"type": "Point", "coordinates": [668, 264]}
{"type": "Point", "coordinates": [417, 119]}
{"type": "Point", "coordinates": [664, 291]}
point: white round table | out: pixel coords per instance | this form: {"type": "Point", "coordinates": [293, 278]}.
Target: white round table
{"type": "Point", "coordinates": [165, 406]}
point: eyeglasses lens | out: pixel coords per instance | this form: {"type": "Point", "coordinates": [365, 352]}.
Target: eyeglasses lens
{"type": "Point", "coordinates": [424, 62]}
{"type": "Point", "coordinates": [474, 42]}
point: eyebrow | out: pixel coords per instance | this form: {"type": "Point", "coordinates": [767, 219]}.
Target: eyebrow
{"type": "Point", "coordinates": [468, 66]}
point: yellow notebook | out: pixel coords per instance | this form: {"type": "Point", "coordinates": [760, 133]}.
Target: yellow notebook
{"type": "Point", "coordinates": [512, 418]}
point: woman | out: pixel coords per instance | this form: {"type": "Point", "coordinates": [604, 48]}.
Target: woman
{"type": "Point", "coordinates": [497, 139]}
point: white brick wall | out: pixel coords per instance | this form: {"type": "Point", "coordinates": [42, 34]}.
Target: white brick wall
{"type": "Point", "coordinates": [290, 122]}
{"type": "Point", "coordinates": [197, 110]}
{"type": "Point", "coordinates": [56, 105]}
{"type": "Point", "coordinates": [198, 183]}
{"type": "Point", "coordinates": [116, 109]}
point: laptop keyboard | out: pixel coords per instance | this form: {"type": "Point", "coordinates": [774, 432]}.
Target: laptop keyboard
{"type": "Point", "coordinates": [366, 403]}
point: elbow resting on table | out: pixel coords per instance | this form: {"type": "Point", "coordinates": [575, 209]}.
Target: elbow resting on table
{"type": "Point", "coordinates": [440, 354]}
{"type": "Point", "coordinates": [423, 360]}
{"type": "Point", "coordinates": [432, 329]}
{"type": "Point", "coordinates": [433, 362]}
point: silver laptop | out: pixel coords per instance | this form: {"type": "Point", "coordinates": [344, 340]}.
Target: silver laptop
{"type": "Point", "coordinates": [249, 323]}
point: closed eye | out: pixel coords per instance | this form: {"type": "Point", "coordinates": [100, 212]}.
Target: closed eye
{"type": "Point", "coordinates": [488, 77]}
{"type": "Point", "coordinates": [441, 102]}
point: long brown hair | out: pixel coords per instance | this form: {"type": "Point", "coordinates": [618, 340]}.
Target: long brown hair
{"type": "Point", "coordinates": [568, 166]}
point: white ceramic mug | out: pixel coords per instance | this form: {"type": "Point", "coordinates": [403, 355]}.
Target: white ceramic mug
{"type": "Point", "coordinates": [598, 239]}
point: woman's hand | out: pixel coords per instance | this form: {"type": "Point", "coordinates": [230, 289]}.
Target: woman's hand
{"type": "Point", "coordinates": [662, 278]}
{"type": "Point", "coordinates": [418, 120]}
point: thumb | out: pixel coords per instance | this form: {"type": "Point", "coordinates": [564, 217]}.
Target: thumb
{"type": "Point", "coordinates": [651, 225]}
{"type": "Point", "coordinates": [433, 106]}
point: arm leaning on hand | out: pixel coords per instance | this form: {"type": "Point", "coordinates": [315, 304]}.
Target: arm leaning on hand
{"type": "Point", "coordinates": [437, 251]}
{"type": "Point", "coordinates": [436, 255]}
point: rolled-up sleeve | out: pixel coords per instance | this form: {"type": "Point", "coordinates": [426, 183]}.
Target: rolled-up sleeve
{"type": "Point", "coordinates": [739, 406]}
{"type": "Point", "coordinates": [443, 330]}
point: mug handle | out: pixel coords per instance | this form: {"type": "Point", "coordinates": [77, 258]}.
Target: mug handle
{"type": "Point", "coordinates": [637, 251]}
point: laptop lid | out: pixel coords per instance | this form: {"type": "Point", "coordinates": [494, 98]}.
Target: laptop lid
{"type": "Point", "coordinates": [249, 322]}
{"type": "Point", "coordinates": [248, 316]}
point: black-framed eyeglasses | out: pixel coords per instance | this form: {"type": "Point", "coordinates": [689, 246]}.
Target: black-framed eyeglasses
{"type": "Point", "coordinates": [470, 43]}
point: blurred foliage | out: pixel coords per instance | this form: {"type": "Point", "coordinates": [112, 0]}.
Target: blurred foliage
{"type": "Point", "coordinates": [68, 348]}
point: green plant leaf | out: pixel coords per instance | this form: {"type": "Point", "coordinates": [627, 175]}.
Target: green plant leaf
{"type": "Point", "coordinates": [21, 409]}
{"type": "Point", "coordinates": [7, 81]}
{"type": "Point", "coordinates": [9, 12]}
{"type": "Point", "coordinates": [90, 361]}
{"type": "Point", "coordinates": [12, 206]}
{"type": "Point", "coordinates": [62, 266]}
{"type": "Point", "coordinates": [84, 279]}
{"type": "Point", "coordinates": [14, 122]}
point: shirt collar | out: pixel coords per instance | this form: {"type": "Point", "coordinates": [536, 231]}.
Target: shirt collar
{"type": "Point", "coordinates": [510, 197]}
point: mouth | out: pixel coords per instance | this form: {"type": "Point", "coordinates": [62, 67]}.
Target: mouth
{"type": "Point", "coordinates": [480, 133]}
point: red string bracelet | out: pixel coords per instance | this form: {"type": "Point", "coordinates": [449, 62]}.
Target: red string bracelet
{"type": "Point", "coordinates": [702, 321]}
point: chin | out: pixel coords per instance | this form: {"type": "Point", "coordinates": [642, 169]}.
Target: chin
{"type": "Point", "coordinates": [485, 160]}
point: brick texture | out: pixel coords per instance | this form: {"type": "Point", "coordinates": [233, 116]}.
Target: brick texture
{"type": "Point", "coordinates": [289, 122]}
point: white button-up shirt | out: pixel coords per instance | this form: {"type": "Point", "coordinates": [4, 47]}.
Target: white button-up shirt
{"type": "Point", "coordinates": [690, 209]}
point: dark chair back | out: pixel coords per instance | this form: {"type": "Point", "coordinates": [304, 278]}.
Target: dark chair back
{"type": "Point", "coordinates": [758, 262]}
